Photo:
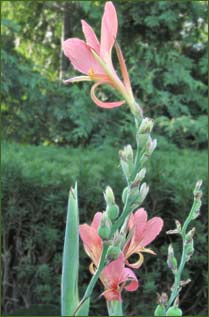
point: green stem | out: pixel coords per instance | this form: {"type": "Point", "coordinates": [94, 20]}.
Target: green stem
{"type": "Point", "coordinates": [114, 308]}
{"type": "Point", "coordinates": [177, 280]}
{"type": "Point", "coordinates": [94, 278]}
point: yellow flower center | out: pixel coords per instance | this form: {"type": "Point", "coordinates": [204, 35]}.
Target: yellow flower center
{"type": "Point", "coordinates": [91, 73]}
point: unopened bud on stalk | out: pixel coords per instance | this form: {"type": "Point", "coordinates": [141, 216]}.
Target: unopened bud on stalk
{"type": "Point", "coordinates": [146, 126]}
{"type": "Point", "coordinates": [139, 177]}
{"type": "Point", "coordinates": [144, 189]}
{"type": "Point", "coordinates": [113, 211]}
{"type": "Point", "coordinates": [105, 227]}
{"type": "Point", "coordinates": [113, 252]}
{"type": "Point", "coordinates": [126, 160]}
{"type": "Point", "coordinates": [197, 192]}
{"type": "Point", "coordinates": [190, 235]}
{"type": "Point", "coordinates": [189, 247]}
{"type": "Point", "coordinates": [162, 299]}
{"type": "Point", "coordinates": [171, 260]}
{"type": "Point", "coordinates": [109, 196]}
{"type": "Point", "coordinates": [150, 145]}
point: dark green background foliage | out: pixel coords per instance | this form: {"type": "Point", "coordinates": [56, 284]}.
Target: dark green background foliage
{"type": "Point", "coordinates": [54, 135]}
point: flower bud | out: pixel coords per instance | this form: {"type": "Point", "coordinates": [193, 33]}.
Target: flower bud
{"type": "Point", "coordinates": [144, 189]}
{"type": "Point", "coordinates": [109, 196]}
{"type": "Point", "coordinates": [162, 299]}
{"type": "Point", "coordinates": [139, 177]}
{"type": "Point", "coordinates": [190, 235]}
{"type": "Point", "coordinates": [171, 260]}
{"type": "Point", "coordinates": [174, 311]}
{"type": "Point", "coordinates": [189, 249]}
{"type": "Point", "coordinates": [150, 145]}
{"type": "Point", "coordinates": [113, 252]}
{"type": "Point", "coordinates": [126, 160]}
{"type": "Point", "coordinates": [146, 126]}
{"type": "Point", "coordinates": [104, 232]}
{"type": "Point", "coordinates": [113, 211]}
{"type": "Point", "coordinates": [160, 310]}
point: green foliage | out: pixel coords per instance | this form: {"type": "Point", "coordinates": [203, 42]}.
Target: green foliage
{"type": "Point", "coordinates": [35, 184]}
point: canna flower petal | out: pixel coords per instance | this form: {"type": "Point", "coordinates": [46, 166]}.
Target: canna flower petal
{"type": "Point", "coordinates": [100, 103]}
{"type": "Point", "coordinates": [91, 240]}
{"type": "Point", "coordinates": [96, 220]}
{"type": "Point", "coordinates": [153, 228]}
{"type": "Point", "coordinates": [109, 30]}
{"type": "Point", "coordinates": [80, 56]}
{"type": "Point", "coordinates": [144, 232]}
{"type": "Point", "coordinates": [90, 36]}
{"type": "Point", "coordinates": [130, 279]}
{"type": "Point", "coordinates": [123, 68]}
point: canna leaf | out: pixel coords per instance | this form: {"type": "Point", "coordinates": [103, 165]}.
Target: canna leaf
{"type": "Point", "coordinates": [69, 283]}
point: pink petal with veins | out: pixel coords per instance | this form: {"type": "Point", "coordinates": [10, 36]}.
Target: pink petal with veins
{"type": "Point", "coordinates": [91, 38]}
{"type": "Point", "coordinates": [80, 55]}
{"type": "Point", "coordinates": [100, 103]}
{"type": "Point", "coordinates": [109, 30]}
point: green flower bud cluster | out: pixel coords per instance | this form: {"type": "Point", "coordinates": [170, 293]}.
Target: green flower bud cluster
{"type": "Point", "coordinates": [144, 131]}
{"type": "Point", "coordinates": [136, 195]}
{"type": "Point", "coordinates": [171, 260]}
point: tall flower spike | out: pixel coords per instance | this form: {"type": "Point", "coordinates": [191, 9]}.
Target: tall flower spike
{"type": "Point", "coordinates": [94, 59]}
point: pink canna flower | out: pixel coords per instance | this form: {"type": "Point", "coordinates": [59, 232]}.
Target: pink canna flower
{"type": "Point", "coordinates": [143, 232]}
{"type": "Point", "coordinates": [115, 277]}
{"type": "Point", "coordinates": [94, 59]}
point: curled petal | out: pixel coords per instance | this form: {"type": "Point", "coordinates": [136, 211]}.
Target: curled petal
{"type": "Point", "coordinates": [80, 55]}
{"type": "Point", "coordinates": [109, 30]}
{"type": "Point", "coordinates": [91, 38]}
{"type": "Point", "coordinates": [111, 274]}
{"type": "Point", "coordinates": [100, 103]}
{"type": "Point", "coordinates": [138, 263]}
{"type": "Point", "coordinates": [130, 279]}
